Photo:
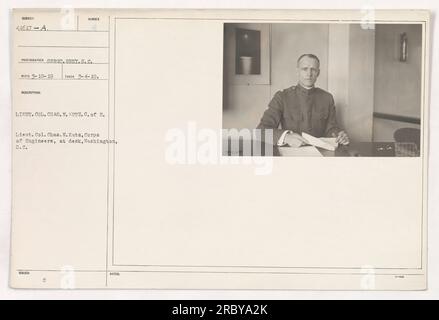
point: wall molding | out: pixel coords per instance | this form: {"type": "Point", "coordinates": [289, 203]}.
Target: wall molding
{"type": "Point", "coordinates": [395, 117]}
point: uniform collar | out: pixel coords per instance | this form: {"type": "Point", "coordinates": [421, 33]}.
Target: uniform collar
{"type": "Point", "coordinates": [303, 90]}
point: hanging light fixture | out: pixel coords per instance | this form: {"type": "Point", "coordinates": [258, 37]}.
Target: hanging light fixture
{"type": "Point", "coordinates": [403, 47]}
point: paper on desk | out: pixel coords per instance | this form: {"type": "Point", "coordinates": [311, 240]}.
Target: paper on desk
{"type": "Point", "coordinates": [324, 143]}
{"type": "Point", "coordinates": [331, 141]}
{"type": "Point", "coordinates": [305, 151]}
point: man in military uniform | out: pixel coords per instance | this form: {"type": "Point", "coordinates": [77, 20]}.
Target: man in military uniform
{"type": "Point", "coordinates": [303, 108]}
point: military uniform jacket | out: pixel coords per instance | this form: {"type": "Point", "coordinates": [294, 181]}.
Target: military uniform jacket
{"type": "Point", "coordinates": [301, 110]}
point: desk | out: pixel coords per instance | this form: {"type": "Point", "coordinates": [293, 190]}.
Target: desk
{"type": "Point", "coordinates": [373, 149]}
{"type": "Point", "coordinates": [362, 149]}
{"type": "Point", "coordinates": [354, 149]}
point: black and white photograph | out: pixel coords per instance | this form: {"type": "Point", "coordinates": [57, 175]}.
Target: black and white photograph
{"type": "Point", "coordinates": [229, 151]}
{"type": "Point", "coordinates": [323, 89]}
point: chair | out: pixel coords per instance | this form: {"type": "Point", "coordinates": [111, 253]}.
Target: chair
{"type": "Point", "coordinates": [408, 135]}
{"type": "Point", "coordinates": [407, 142]}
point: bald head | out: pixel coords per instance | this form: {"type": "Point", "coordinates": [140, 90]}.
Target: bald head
{"type": "Point", "coordinates": [309, 56]}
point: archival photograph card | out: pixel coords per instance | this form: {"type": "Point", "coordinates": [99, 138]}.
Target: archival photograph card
{"type": "Point", "coordinates": [219, 149]}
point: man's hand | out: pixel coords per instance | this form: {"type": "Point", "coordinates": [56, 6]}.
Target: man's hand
{"type": "Point", "coordinates": [294, 140]}
{"type": "Point", "coordinates": [342, 138]}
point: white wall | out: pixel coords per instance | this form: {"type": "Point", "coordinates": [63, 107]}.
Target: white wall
{"type": "Point", "coordinates": [383, 129]}
{"type": "Point", "coordinates": [361, 78]}
{"type": "Point", "coordinates": [289, 41]}
{"type": "Point", "coordinates": [397, 84]}
{"type": "Point", "coordinates": [338, 69]}
{"type": "Point", "coordinates": [351, 77]}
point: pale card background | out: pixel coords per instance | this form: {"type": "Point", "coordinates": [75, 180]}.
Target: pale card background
{"type": "Point", "coordinates": [5, 163]}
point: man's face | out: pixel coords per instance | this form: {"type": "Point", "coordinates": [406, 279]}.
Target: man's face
{"type": "Point", "coordinates": [308, 69]}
